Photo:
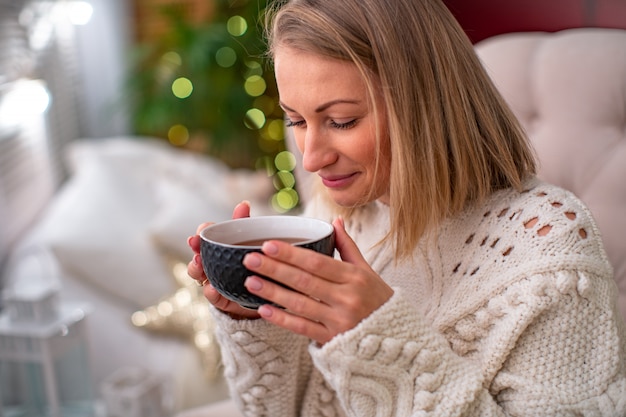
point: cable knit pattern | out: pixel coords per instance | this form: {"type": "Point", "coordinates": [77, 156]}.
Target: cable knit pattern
{"type": "Point", "coordinates": [510, 310]}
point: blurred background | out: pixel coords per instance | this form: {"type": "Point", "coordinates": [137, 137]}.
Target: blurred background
{"type": "Point", "coordinates": [191, 72]}
{"type": "Point", "coordinates": [123, 125]}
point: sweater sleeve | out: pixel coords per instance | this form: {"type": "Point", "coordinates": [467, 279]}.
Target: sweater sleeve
{"type": "Point", "coordinates": [266, 367]}
{"type": "Point", "coordinates": [549, 367]}
{"type": "Point", "coordinates": [406, 369]}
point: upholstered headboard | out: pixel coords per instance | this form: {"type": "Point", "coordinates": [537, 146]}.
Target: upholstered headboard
{"type": "Point", "coordinates": [482, 19]}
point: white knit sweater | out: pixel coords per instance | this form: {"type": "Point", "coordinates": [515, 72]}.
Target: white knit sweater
{"type": "Point", "coordinates": [492, 319]}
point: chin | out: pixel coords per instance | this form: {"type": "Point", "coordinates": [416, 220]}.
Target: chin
{"type": "Point", "coordinates": [349, 201]}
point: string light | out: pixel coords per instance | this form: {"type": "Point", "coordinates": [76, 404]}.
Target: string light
{"type": "Point", "coordinates": [79, 12]}
{"type": "Point", "coordinates": [255, 119]}
{"type": "Point", "coordinates": [285, 161]}
{"type": "Point", "coordinates": [178, 135]}
{"type": "Point", "coordinates": [25, 100]}
{"type": "Point", "coordinates": [226, 57]}
{"type": "Point", "coordinates": [237, 26]}
{"type": "Point", "coordinates": [182, 87]}
{"type": "Point", "coordinates": [254, 68]}
{"type": "Point", "coordinates": [255, 86]}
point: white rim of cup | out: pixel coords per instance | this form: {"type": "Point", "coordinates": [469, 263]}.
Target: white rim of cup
{"type": "Point", "coordinates": [241, 223]}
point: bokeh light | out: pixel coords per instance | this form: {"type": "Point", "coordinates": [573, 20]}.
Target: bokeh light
{"type": "Point", "coordinates": [274, 131]}
{"type": "Point", "coordinates": [255, 86]}
{"type": "Point", "coordinates": [172, 58]}
{"type": "Point", "coordinates": [237, 26]}
{"type": "Point", "coordinates": [167, 66]}
{"type": "Point", "coordinates": [25, 100]}
{"type": "Point", "coordinates": [165, 308]}
{"type": "Point", "coordinates": [139, 318]}
{"type": "Point", "coordinates": [254, 68]}
{"type": "Point", "coordinates": [202, 340]}
{"type": "Point", "coordinates": [226, 57]}
{"type": "Point", "coordinates": [79, 12]}
{"type": "Point", "coordinates": [264, 163]}
{"type": "Point", "coordinates": [284, 180]}
{"type": "Point", "coordinates": [255, 119]}
{"type": "Point", "coordinates": [182, 87]}
{"type": "Point", "coordinates": [285, 200]}
{"type": "Point", "coordinates": [285, 161]}
{"type": "Point", "coordinates": [178, 135]}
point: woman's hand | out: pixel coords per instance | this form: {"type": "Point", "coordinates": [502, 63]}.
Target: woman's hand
{"type": "Point", "coordinates": [331, 296]}
{"type": "Point", "coordinates": [195, 270]}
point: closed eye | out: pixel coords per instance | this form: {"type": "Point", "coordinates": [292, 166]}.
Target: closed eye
{"type": "Point", "coordinates": [346, 125]}
{"type": "Point", "coordinates": [333, 124]}
{"type": "Point", "coordinates": [292, 123]}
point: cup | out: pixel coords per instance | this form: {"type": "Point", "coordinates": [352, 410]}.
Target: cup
{"type": "Point", "coordinates": [224, 245]}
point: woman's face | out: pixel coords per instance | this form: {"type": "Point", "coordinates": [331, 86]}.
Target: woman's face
{"type": "Point", "coordinates": [334, 123]}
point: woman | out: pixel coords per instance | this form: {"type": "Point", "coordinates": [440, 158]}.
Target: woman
{"type": "Point", "coordinates": [463, 285]}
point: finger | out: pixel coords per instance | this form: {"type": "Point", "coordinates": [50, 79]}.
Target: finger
{"type": "Point", "coordinates": [296, 278]}
{"type": "Point", "coordinates": [194, 243]}
{"type": "Point", "coordinates": [242, 210]}
{"type": "Point", "coordinates": [293, 301]}
{"type": "Point", "coordinates": [347, 248]}
{"type": "Point", "coordinates": [284, 261]}
{"type": "Point", "coordinates": [217, 299]}
{"type": "Point", "coordinates": [194, 269]}
{"type": "Point", "coordinates": [311, 329]}
{"type": "Point", "coordinates": [227, 306]}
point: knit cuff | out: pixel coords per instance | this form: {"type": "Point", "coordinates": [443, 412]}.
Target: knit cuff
{"type": "Point", "coordinates": [395, 359]}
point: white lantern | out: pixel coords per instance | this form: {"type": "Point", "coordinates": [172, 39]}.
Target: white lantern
{"type": "Point", "coordinates": [44, 365]}
{"type": "Point", "coordinates": [134, 392]}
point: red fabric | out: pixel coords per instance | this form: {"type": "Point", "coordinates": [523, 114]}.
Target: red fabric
{"type": "Point", "coordinates": [485, 18]}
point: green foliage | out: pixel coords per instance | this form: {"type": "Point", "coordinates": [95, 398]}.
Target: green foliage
{"type": "Point", "coordinates": [217, 57]}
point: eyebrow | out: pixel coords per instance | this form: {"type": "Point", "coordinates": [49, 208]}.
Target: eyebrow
{"type": "Point", "coordinates": [323, 106]}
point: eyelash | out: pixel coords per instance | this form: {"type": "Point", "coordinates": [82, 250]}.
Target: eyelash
{"type": "Point", "coordinates": [291, 123]}
{"type": "Point", "coordinates": [346, 125]}
{"type": "Point", "coordinates": [333, 124]}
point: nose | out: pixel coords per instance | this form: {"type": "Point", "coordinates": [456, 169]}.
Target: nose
{"type": "Point", "coordinates": [316, 148]}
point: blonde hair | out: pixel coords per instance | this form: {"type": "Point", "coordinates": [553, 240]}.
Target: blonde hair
{"type": "Point", "coordinates": [451, 133]}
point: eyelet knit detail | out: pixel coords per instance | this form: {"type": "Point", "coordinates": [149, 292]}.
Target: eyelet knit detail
{"type": "Point", "coordinates": [508, 311]}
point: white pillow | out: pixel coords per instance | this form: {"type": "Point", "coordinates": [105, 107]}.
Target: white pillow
{"type": "Point", "coordinates": [97, 228]}
{"type": "Point", "coordinates": [132, 200]}
{"type": "Point", "coordinates": [181, 208]}
{"type": "Point", "coordinates": [180, 211]}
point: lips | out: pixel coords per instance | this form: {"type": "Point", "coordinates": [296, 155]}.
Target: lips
{"type": "Point", "coordinates": [338, 181]}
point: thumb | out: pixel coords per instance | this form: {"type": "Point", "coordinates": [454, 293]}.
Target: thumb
{"type": "Point", "coordinates": [242, 210]}
{"type": "Point", "coordinates": [348, 250]}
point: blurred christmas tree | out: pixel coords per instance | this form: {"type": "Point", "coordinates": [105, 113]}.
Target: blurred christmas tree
{"type": "Point", "coordinates": [202, 82]}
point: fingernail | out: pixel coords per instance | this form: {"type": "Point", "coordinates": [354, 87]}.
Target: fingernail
{"type": "Point", "coordinates": [253, 283]}
{"type": "Point", "coordinates": [252, 260]}
{"type": "Point", "coordinates": [196, 259]}
{"type": "Point", "coordinates": [265, 311]}
{"type": "Point", "coordinates": [189, 240]}
{"type": "Point", "coordinates": [269, 248]}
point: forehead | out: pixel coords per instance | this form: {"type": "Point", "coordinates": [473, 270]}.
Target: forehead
{"type": "Point", "coordinates": [305, 78]}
